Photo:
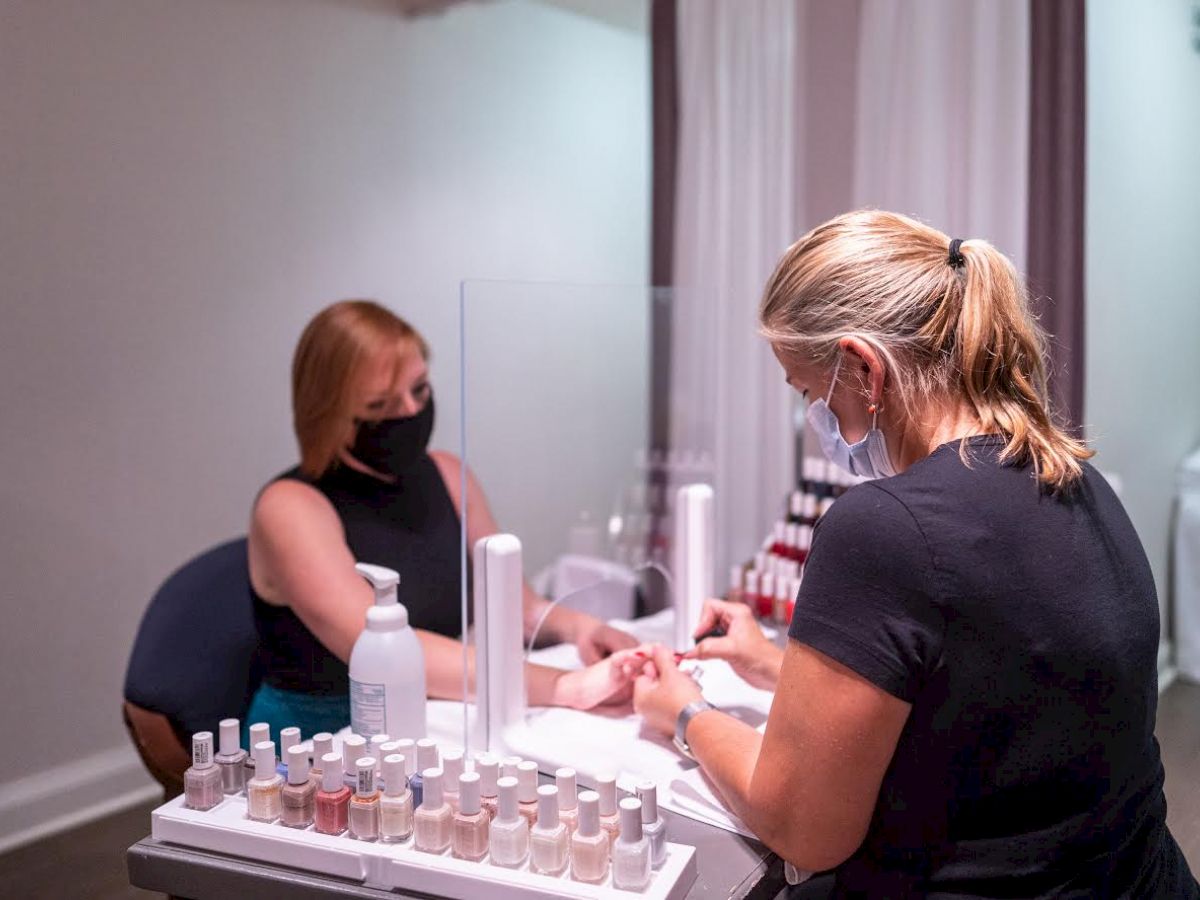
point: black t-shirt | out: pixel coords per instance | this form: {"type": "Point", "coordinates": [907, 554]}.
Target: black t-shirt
{"type": "Point", "coordinates": [1023, 629]}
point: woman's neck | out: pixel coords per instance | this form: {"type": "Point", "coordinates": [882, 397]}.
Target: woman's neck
{"type": "Point", "coordinates": [939, 424]}
{"type": "Point", "coordinates": [350, 462]}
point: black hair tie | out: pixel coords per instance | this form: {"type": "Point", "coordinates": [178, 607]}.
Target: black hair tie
{"type": "Point", "coordinates": [956, 258]}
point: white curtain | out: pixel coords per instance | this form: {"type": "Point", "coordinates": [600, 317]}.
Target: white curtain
{"type": "Point", "coordinates": [942, 116]}
{"type": "Point", "coordinates": [734, 217]}
{"type": "Point", "coordinates": [939, 131]}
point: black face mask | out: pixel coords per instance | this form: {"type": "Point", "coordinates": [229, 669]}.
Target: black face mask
{"type": "Point", "coordinates": [392, 445]}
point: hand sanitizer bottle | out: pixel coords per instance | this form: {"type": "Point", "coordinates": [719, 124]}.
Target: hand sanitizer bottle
{"type": "Point", "coordinates": [387, 667]}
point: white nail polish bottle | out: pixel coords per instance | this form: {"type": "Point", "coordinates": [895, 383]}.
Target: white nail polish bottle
{"type": "Point", "coordinates": [232, 758]}
{"type": "Point", "coordinates": [549, 842]}
{"type": "Point", "coordinates": [610, 819]}
{"type": "Point", "coordinates": [568, 798]}
{"type": "Point", "coordinates": [432, 821]}
{"type": "Point", "coordinates": [452, 767]}
{"type": "Point", "coordinates": [354, 748]}
{"type": "Point", "coordinates": [653, 826]}
{"type": "Point", "coordinates": [264, 792]}
{"type": "Point", "coordinates": [527, 785]}
{"type": "Point", "coordinates": [508, 833]}
{"type": "Point", "coordinates": [396, 804]}
{"type": "Point", "coordinates": [589, 843]}
{"type": "Point", "coordinates": [202, 782]}
{"type": "Point", "coordinates": [631, 851]}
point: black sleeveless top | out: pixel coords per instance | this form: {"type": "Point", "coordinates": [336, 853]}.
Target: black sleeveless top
{"type": "Point", "coordinates": [410, 526]}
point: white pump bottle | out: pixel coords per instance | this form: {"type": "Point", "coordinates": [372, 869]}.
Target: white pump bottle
{"type": "Point", "coordinates": [387, 666]}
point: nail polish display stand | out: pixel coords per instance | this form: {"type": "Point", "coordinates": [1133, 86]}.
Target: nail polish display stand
{"type": "Point", "coordinates": [226, 830]}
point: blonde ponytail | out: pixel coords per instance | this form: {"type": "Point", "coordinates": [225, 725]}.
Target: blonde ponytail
{"type": "Point", "coordinates": [943, 330]}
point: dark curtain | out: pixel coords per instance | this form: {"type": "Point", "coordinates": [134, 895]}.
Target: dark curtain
{"type": "Point", "coordinates": [665, 117]}
{"type": "Point", "coordinates": [1056, 194]}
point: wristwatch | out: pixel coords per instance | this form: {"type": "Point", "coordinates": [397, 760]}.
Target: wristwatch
{"type": "Point", "coordinates": [685, 716]}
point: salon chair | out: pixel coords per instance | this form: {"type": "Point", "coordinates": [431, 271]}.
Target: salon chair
{"type": "Point", "coordinates": [194, 661]}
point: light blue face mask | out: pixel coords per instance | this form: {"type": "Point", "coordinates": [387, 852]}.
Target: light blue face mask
{"type": "Point", "coordinates": [867, 458]}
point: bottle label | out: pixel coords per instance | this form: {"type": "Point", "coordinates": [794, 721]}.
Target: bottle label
{"type": "Point", "coordinates": [201, 754]}
{"type": "Point", "coordinates": [366, 781]}
{"type": "Point", "coordinates": [368, 708]}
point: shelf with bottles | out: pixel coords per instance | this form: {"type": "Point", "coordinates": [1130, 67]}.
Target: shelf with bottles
{"type": "Point", "coordinates": [642, 523]}
{"type": "Point", "coordinates": [769, 582]}
{"type": "Point", "coordinates": [427, 820]}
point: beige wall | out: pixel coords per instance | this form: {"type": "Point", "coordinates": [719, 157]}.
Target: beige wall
{"type": "Point", "coordinates": [181, 186]}
{"type": "Point", "coordinates": [1143, 264]}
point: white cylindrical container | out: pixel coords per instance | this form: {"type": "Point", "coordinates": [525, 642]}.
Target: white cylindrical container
{"type": "Point", "coordinates": [387, 666]}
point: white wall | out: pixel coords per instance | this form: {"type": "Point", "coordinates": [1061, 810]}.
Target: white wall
{"type": "Point", "coordinates": [182, 185]}
{"type": "Point", "coordinates": [1143, 264]}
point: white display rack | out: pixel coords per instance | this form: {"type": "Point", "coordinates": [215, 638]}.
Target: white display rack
{"type": "Point", "coordinates": [225, 829]}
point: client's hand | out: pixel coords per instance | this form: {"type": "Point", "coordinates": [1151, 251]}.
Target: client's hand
{"type": "Point", "coordinates": [661, 692]}
{"type": "Point", "coordinates": [596, 640]}
{"type": "Point", "coordinates": [744, 646]}
{"type": "Point", "coordinates": [606, 683]}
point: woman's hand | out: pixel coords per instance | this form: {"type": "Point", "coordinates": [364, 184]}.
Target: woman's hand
{"type": "Point", "coordinates": [606, 683]}
{"type": "Point", "coordinates": [661, 691]}
{"type": "Point", "coordinates": [744, 646]}
{"type": "Point", "coordinates": [597, 640]}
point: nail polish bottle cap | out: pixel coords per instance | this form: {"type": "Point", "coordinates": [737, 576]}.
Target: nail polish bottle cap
{"type": "Point", "coordinates": [395, 778]}
{"type": "Point", "coordinates": [202, 749]}
{"type": "Point", "coordinates": [488, 768]}
{"type": "Point", "coordinates": [407, 748]}
{"type": "Point", "coordinates": [752, 581]}
{"type": "Point", "coordinates": [564, 779]}
{"type": "Point", "coordinates": [297, 762]}
{"type": "Point", "coordinates": [606, 787]}
{"type": "Point", "coordinates": [735, 577]}
{"type": "Point", "coordinates": [353, 747]}
{"type": "Point", "coordinates": [322, 744]}
{"type": "Point", "coordinates": [432, 781]}
{"type": "Point", "coordinates": [631, 820]}
{"type": "Point", "coordinates": [230, 739]}
{"type": "Point", "coordinates": [547, 796]}
{"type": "Point", "coordinates": [589, 813]}
{"type": "Point", "coordinates": [780, 531]}
{"type": "Point", "coordinates": [331, 773]}
{"type": "Point", "coordinates": [507, 806]}
{"type": "Point", "coordinates": [287, 738]}
{"type": "Point", "coordinates": [527, 781]}
{"type": "Point", "coordinates": [366, 776]}
{"type": "Point", "coordinates": [375, 745]}
{"type": "Point", "coordinates": [468, 793]}
{"type": "Point", "coordinates": [508, 766]}
{"type": "Point", "coordinates": [259, 732]}
{"type": "Point", "coordinates": [452, 767]}
{"type": "Point", "coordinates": [427, 754]}
{"type": "Point", "coordinates": [647, 792]}
{"type": "Point", "coordinates": [264, 759]}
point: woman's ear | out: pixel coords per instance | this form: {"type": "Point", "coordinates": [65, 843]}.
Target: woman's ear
{"type": "Point", "coordinates": [873, 369]}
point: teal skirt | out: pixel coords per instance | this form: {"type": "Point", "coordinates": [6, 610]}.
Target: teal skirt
{"type": "Point", "coordinates": [282, 709]}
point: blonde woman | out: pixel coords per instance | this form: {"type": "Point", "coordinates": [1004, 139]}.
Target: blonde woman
{"type": "Point", "coordinates": [367, 489]}
{"type": "Point", "coordinates": [966, 703]}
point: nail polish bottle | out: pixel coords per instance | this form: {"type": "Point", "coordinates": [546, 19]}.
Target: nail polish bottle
{"type": "Point", "coordinates": [376, 752]}
{"type": "Point", "coordinates": [432, 820]}
{"type": "Point", "coordinates": [766, 596]}
{"type": "Point", "coordinates": [779, 611]}
{"type": "Point", "coordinates": [264, 791]}
{"type": "Point", "coordinates": [527, 785]}
{"type": "Point", "coordinates": [396, 804]}
{"type": "Point", "coordinates": [202, 782]}
{"type": "Point", "coordinates": [735, 584]}
{"type": "Point", "coordinates": [232, 758]}
{"type": "Point", "coordinates": [653, 827]}
{"type": "Point", "coordinates": [631, 851]}
{"type": "Point", "coordinates": [354, 748]}
{"type": "Point", "coordinates": [508, 766]}
{"type": "Point", "coordinates": [469, 834]}
{"type": "Point", "coordinates": [750, 595]}
{"type": "Point", "coordinates": [610, 819]}
{"type": "Point", "coordinates": [568, 802]}
{"type": "Point", "coordinates": [427, 758]}
{"type": "Point", "coordinates": [488, 768]}
{"type": "Point", "coordinates": [299, 797]}
{"type": "Point", "coordinates": [452, 767]}
{"type": "Point", "coordinates": [259, 732]}
{"type": "Point", "coordinates": [288, 738]}
{"type": "Point", "coordinates": [549, 842]}
{"type": "Point", "coordinates": [333, 799]}
{"type": "Point", "coordinates": [589, 843]}
{"type": "Point", "coordinates": [364, 805]}
{"type": "Point", "coordinates": [322, 744]}
{"type": "Point", "coordinates": [509, 831]}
